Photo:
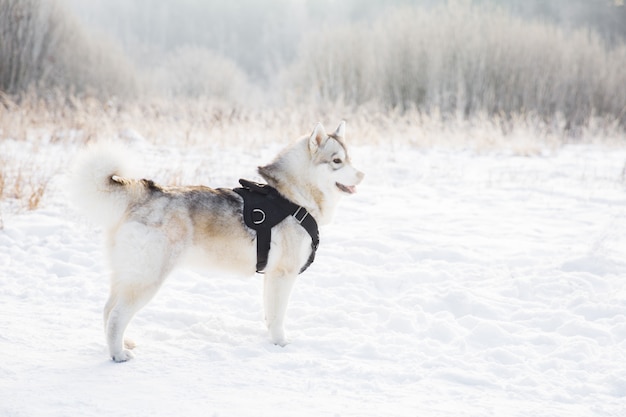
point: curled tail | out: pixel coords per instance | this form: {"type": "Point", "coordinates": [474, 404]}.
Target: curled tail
{"type": "Point", "coordinates": [99, 185]}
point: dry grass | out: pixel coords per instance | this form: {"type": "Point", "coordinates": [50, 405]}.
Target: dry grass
{"type": "Point", "coordinates": [23, 188]}
{"type": "Point", "coordinates": [39, 136]}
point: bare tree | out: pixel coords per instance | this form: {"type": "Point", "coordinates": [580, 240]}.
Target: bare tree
{"type": "Point", "coordinates": [28, 33]}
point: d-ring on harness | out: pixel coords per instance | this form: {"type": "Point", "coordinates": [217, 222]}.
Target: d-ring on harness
{"type": "Point", "coordinates": [264, 208]}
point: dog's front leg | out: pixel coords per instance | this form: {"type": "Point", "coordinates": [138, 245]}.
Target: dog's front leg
{"type": "Point", "coordinates": [276, 290]}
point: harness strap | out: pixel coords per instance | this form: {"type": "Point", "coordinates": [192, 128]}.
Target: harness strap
{"type": "Point", "coordinates": [263, 244]}
{"type": "Point", "coordinates": [263, 209]}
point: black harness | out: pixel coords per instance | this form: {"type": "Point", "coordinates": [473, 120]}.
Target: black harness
{"type": "Point", "coordinates": [264, 208]}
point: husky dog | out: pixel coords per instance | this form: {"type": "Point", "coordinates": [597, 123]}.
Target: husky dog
{"type": "Point", "coordinates": [151, 229]}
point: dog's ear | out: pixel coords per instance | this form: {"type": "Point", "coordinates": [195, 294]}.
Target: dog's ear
{"type": "Point", "coordinates": [341, 130]}
{"type": "Point", "coordinates": [317, 137]}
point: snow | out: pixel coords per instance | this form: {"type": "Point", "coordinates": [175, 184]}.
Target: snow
{"type": "Point", "coordinates": [454, 283]}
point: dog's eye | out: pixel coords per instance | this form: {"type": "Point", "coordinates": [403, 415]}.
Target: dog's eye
{"type": "Point", "coordinates": [336, 161]}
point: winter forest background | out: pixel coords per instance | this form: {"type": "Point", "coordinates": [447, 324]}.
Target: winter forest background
{"type": "Point", "coordinates": [557, 59]}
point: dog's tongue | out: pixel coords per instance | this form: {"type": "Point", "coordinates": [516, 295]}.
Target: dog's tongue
{"type": "Point", "coordinates": [350, 189]}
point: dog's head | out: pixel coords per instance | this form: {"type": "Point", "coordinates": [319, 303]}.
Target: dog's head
{"type": "Point", "coordinates": [331, 160]}
{"type": "Point", "coordinates": [314, 172]}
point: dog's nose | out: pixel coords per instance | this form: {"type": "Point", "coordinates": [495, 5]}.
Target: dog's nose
{"type": "Point", "coordinates": [359, 176]}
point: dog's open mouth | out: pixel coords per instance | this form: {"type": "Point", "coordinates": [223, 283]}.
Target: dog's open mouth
{"type": "Point", "coordinates": [348, 189]}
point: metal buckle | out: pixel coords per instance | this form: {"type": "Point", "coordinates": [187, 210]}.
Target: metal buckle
{"type": "Point", "coordinates": [256, 210]}
{"type": "Point", "coordinates": [295, 215]}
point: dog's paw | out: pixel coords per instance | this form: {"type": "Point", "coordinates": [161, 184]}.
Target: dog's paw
{"type": "Point", "coordinates": [123, 356]}
{"type": "Point", "coordinates": [281, 343]}
{"type": "Point", "coordinates": [277, 336]}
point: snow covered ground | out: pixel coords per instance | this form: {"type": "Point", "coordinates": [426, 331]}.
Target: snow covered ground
{"type": "Point", "coordinates": [455, 283]}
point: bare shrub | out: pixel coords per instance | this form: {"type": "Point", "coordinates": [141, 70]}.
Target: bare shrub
{"type": "Point", "coordinates": [27, 38]}
{"type": "Point", "coordinates": [42, 45]}
{"type": "Point", "coordinates": [462, 59]}
{"type": "Point", "coordinates": [92, 63]}
{"type": "Point", "coordinates": [337, 65]}
{"type": "Point", "coordinates": [194, 72]}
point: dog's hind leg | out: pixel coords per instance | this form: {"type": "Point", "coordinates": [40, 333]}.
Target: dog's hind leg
{"type": "Point", "coordinates": [141, 258]}
{"type": "Point", "coordinates": [276, 290]}
{"type": "Point", "coordinates": [111, 302]}
{"type": "Point", "coordinates": [121, 307]}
